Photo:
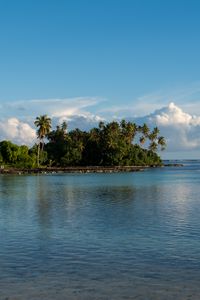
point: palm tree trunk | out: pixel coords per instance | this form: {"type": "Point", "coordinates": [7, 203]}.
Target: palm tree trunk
{"type": "Point", "coordinates": [42, 146]}
{"type": "Point", "coordinates": [38, 155]}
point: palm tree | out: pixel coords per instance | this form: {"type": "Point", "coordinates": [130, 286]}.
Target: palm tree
{"type": "Point", "coordinates": [153, 146]}
{"type": "Point", "coordinates": [101, 125]}
{"type": "Point", "coordinates": [145, 131]}
{"type": "Point", "coordinates": [156, 140]}
{"type": "Point", "coordinates": [162, 142]}
{"type": "Point", "coordinates": [142, 140]}
{"type": "Point", "coordinates": [154, 134]}
{"type": "Point", "coordinates": [44, 125]}
{"type": "Point", "coordinates": [64, 126]}
{"type": "Point", "coordinates": [128, 130]}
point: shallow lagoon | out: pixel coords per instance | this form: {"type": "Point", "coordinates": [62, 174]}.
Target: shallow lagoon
{"type": "Point", "coordinates": [101, 236]}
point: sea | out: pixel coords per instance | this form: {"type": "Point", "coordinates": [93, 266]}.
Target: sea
{"type": "Point", "coordinates": [101, 236]}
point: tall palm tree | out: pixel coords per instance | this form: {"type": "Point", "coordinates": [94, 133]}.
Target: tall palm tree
{"type": "Point", "coordinates": [142, 140]}
{"type": "Point", "coordinates": [128, 130]}
{"type": "Point", "coordinates": [44, 126]}
{"type": "Point", "coordinates": [64, 126]}
{"type": "Point", "coordinates": [153, 146]}
{"type": "Point", "coordinates": [162, 142]}
{"type": "Point", "coordinates": [101, 125]}
{"type": "Point", "coordinates": [145, 131]}
{"type": "Point", "coordinates": [154, 134]}
{"type": "Point", "coordinates": [156, 140]}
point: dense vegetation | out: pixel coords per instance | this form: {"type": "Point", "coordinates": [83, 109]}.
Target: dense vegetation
{"type": "Point", "coordinates": [111, 144]}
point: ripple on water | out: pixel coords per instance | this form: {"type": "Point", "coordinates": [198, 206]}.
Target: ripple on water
{"type": "Point", "coordinates": [100, 236]}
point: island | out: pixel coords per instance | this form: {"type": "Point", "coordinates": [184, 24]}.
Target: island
{"type": "Point", "coordinates": [110, 147]}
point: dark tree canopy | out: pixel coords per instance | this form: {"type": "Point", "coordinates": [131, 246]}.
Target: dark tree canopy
{"type": "Point", "coordinates": [110, 144]}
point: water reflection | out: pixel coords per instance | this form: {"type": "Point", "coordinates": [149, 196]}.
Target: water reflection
{"type": "Point", "coordinates": [43, 202]}
{"type": "Point", "coordinates": [94, 236]}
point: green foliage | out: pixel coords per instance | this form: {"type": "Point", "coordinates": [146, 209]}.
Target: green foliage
{"type": "Point", "coordinates": [58, 144]}
{"type": "Point", "coordinates": [110, 144]}
{"type": "Point", "coordinates": [43, 123]}
{"type": "Point", "coordinates": [17, 156]}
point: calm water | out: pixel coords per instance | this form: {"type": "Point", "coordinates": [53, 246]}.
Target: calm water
{"type": "Point", "coordinates": [101, 236]}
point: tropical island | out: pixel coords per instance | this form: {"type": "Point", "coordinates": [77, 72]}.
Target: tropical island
{"type": "Point", "coordinates": [110, 146]}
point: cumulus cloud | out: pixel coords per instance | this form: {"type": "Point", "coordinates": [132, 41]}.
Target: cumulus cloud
{"type": "Point", "coordinates": [17, 131]}
{"type": "Point", "coordinates": [84, 121]}
{"type": "Point", "coordinates": [23, 133]}
{"type": "Point", "coordinates": [187, 96]}
{"type": "Point", "coordinates": [181, 130]}
{"type": "Point", "coordinates": [174, 115]}
{"type": "Point", "coordinates": [20, 129]}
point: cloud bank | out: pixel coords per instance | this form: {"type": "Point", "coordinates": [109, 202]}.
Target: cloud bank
{"type": "Point", "coordinates": [17, 131]}
{"type": "Point", "coordinates": [21, 130]}
{"type": "Point", "coordinates": [180, 128]}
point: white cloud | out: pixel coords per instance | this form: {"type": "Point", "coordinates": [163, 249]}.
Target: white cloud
{"type": "Point", "coordinates": [188, 97]}
{"type": "Point", "coordinates": [177, 124]}
{"type": "Point", "coordinates": [17, 131]}
{"type": "Point", "coordinates": [84, 121]}
{"type": "Point", "coordinates": [21, 129]}
{"type": "Point", "coordinates": [174, 115]}
{"type": "Point", "coordinates": [181, 130]}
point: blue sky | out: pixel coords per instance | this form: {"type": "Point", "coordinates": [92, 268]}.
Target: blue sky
{"type": "Point", "coordinates": [125, 56]}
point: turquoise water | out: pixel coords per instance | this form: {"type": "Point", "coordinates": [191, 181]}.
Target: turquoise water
{"type": "Point", "coordinates": [101, 236]}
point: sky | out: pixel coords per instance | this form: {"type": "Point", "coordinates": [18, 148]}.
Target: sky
{"type": "Point", "coordinates": [87, 60]}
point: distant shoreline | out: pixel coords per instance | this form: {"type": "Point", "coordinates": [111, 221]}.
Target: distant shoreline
{"type": "Point", "coordinates": [82, 170]}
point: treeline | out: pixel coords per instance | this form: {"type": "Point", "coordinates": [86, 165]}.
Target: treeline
{"type": "Point", "coordinates": [111, 144]}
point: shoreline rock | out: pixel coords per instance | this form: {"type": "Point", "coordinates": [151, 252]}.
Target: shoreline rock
{"type": "Point", "coordinates": [82, 170]}
{"type": "Point", "coordinates": [89, 169]}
